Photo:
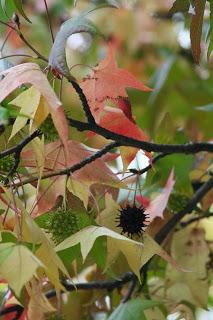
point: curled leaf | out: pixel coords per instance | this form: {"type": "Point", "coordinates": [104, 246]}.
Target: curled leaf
{"type": "Point", "coordinates": [57, 59]}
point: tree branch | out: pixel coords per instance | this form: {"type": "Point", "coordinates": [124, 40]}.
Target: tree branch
{"type": "Point", "coordinates": [197, 197]}
{"type": "Point", "coordinates": [20, 145]}
{"type": "Point", "coordinates": [195, 219]}
{"type": "Point", "coordinates": [188, 148]}
{"type": "Point", "coordinates": [75, 167]}
{"type": "Point", "coordinates": [84, 102]}
{"type": "Point", "coordinates": [129, 276]}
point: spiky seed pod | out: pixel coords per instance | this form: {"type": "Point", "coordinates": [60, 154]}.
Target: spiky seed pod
{"type": "Point", "coordinates": [177, 202]}
{"type": "Point", "coordinates": [49, 131]}
{"type": "Point", "coordinates": [62, 224]}
{"type": "Point", "coordinates": [6, 163]}
{"type": "Point", "coordinates": [132, 220]}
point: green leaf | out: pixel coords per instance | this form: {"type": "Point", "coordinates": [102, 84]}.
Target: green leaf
{"type": "Point", "coordinates": [57, 59]}
{"type": "Point", "coordinates": [180, 6]}
{"type": "Point", "coordinates": [4, 116]}
{"type": "Point", "coordinates": [18, 265]}
{"type": "Point", "coordinates": [159, 78]}
{"type": "Point", "coordinates": [19, 6]}
{"type": "Point", "coordinates": [133, 310]}
{"type": "Point", "coordinates": [7, 8]}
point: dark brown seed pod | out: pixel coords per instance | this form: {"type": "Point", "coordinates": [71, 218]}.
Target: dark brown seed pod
{"type": "Point", "coordinates": [132, 220]}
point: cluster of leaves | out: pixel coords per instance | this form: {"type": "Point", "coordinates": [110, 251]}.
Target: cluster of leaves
{"type": "Point", "coordinates": [61, 210]}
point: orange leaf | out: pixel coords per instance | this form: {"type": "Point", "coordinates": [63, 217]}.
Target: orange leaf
{"type": "Point", "coordinates": [107, 81]}
{"type": "Point", "coordinates": [158, 205]}
{"type": "Point", "coordinates": [115, 120]}
{"type": "Point", "coordinates": [50, 189]}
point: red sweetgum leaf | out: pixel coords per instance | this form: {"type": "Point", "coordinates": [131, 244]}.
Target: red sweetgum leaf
{"type": "Point", "coordinates": [30, 73]}
{"type": "Point", "coordinates": [52, 188]}
{"type": "Point", "coordinates": [158, 205]}
{"type": "Point", "coordinates": [107, 81]}
{"type": "Point", "coordinates": [115, 120]}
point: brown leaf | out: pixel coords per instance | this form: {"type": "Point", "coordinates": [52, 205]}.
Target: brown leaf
{"type": "Point", "coordinates": [196, 29]}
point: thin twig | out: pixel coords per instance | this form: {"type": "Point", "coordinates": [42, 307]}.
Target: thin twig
{"type": "Point", "coordinates": [130, 289]}
{"type": "Point", "coordinates": [197, 197]}
{"type": "Point", "coordinates": [39, 55]}
{"type": "Point", "coordinates": [75, 167]}
{"type": "Point", "coordinates": [22, 37]}
{"type": "Point", "coordinates": [195, 219]}
{"type": "Point", "coordinates": [49, 20]}
{"type": "Point", "coordinates": [17, 55]}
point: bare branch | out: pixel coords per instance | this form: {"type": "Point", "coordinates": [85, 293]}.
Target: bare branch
{"type": "Point", "coordinates": [84, 102]}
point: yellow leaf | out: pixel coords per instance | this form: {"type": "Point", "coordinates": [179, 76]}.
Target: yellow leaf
{"type": "Point", "coordinates": [40, 114]}
{"type": "Point", "coordinates": [136, 253]}
{"type": "Point", "coordinates": [107, 217]}
{"type": "Point", "coordinates": [28, 101]}
{"type": "Point", "coordinates": [18, 266]}
{"type": "Point", "coordinates": [79, 189]}
{"type": "Point", "coordinates": [46, 253]}
{"type": "Point", "coordinates": [38, 305]}
{"type": "Point", "coordinates": [38, 148]}
{"type": "Point", "coordinates": [190, 249]}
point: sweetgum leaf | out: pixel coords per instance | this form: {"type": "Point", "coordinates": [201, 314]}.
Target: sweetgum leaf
{"type": "Point", "coordinates": [31, 73]}
{"type": "Point", "coordinates": [99, 85]}
{"type": "Point", "coordinates": [136, 253]}
{"type": "Point", "coordinates": [191, 250]}
{"type": "Point", "coordinates": [57, 58]}
{"type": "Point", "coordinates": [18, 265]}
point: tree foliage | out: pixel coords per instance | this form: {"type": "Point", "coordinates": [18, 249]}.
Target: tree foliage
{"type": "Point", "coordinates": [105, 159]}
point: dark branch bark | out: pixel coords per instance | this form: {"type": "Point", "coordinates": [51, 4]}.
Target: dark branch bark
{"type": "Point", "coordinates": [84, 102]}
{"type": "Point", "coordinates": [18, 148]}
{"type": "Point", "coordinates": [76, 166]}
{"type": "Point", "coordinates": [188, 148]}
{"type": "Point", "coordinates": [201, 192]}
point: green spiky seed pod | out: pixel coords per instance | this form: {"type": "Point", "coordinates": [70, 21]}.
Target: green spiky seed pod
{"type": "Point", "coordinates": [6, 164]}
{"type": "Point", "coordinates": [49, 131]}
{"type": "Point", "coordinates": [177, 202]}
{"type": "Point", "coordinates": [62, 224]}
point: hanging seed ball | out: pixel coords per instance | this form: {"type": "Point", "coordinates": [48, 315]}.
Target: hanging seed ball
{"type": "Point", "coordinates": [49, 131]}
{"type": "Point", "coordinates": [132, 220]}
{"type": "Point", "coordinates": [62, 224]}
{"type": "Point", "coordinates": [177, 202]}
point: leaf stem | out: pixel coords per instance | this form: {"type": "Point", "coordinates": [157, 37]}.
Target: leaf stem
{"type": "Point", "coordinates": [49, 20]}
